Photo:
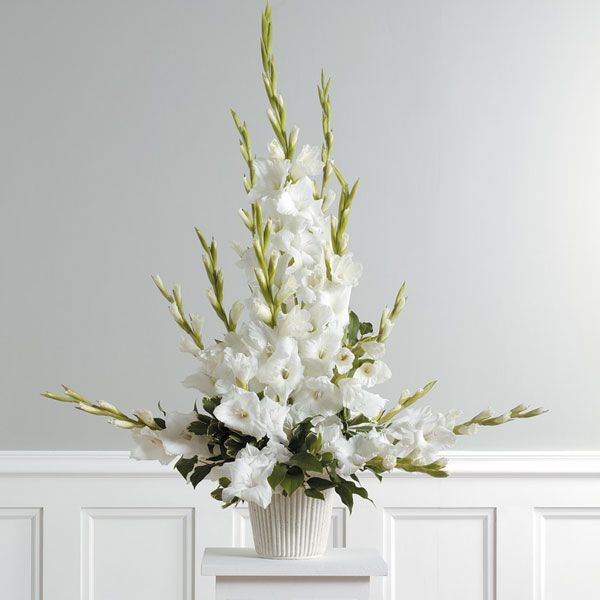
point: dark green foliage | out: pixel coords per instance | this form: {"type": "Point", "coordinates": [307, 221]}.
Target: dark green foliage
{"type": "Point", "coordinates": [185, 465]}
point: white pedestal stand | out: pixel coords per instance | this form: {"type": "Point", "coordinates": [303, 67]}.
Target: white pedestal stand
{"type": "Point", "coordinates": [340, 574]}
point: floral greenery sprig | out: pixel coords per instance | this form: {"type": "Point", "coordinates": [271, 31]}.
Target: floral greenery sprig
{"type": "Point", "coordinates": [486, 419]}
{"type": "Point", "coordinates": [286, 396]}
{"type": "Point", "coordinates": [192, 325]}
{"type": "Point", "coordinates": [117, 417]}
{"type": "Point", "coordinates": [215, 277]}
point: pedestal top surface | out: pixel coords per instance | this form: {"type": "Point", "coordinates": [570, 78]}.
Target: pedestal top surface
{"type": "Point", "coordinates": [336, 562]}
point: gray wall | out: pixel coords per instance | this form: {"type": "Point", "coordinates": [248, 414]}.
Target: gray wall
{"type": "Point", "coordinates": [475, 128]}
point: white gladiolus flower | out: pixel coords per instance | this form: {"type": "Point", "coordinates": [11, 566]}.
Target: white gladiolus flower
{"type": "Point", "coordinates": [307, 163]}
{"type": "Point", "coordinates": [370, 374]}
{"type": "Point", "coordinates": [178, 440]}
{"type": "Point", "coordinates": [282, 371]}
{"type": "Point", "coordinates": [344, 270]}
{"type": "Point", "coordinates": [319, 353]}
{"type": "Point", "coordinates": [423, 430]}
{"type": "Point", "coordinates": [344, 360]}
{"type": "Point", "coordinates": [374, 350]}
{"type": "Point", "coordinates": [316, 396]}
{"type": "Point", "coordinates": [240, 410]}
{"type": "Point", "coordinates": [147, 445]}
{"type": "Point", "coordinates": [296, 323]}
{"type": "Point", "coordinates": [272, 417]}
{"type": "Point", "coordinates": [248, 475]}
{"type": "Point", "coordinates": [240, 368]}
{"type": "Point", "coordinates": [270, 177]}
{"type": "Point", "coordinates": [357, 400]}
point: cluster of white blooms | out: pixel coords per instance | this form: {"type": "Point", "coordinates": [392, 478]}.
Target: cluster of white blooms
{"type": "Point", "coordinates": [287, 394]}
{"type": "Point", "coordinates": [271, 374]}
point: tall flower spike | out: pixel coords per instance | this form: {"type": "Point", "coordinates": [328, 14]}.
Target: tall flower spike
{"type": "Point", "coordinates": [276, 111]}
{"type": "Point", "coordinates": [325, 102]}
{"type": "Point", "coordinates": [176, 309]}
{"type": "Point", "coordinates": [216, 279]}
{"type": "Point", "coordinates": [246, 152]}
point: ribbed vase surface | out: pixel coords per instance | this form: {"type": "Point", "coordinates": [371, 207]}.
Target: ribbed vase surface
{"type": "Point", "coordinates": [295, 526]}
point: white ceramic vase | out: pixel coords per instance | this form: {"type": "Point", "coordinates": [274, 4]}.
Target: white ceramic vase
{"type": "Point", "coordinates": [295, 526]}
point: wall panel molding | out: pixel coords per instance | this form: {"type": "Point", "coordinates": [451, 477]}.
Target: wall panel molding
{"type": "Point", "coordinates": [504, 526]}
{"type": "Point", "coordinates": [465, 464]}
{"type": "Point", "coordinates": [21, 552]}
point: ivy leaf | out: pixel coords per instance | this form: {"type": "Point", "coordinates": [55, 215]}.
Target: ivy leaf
{"type": "Point", "coordinates": [210, 404]}
{"type": "Point", "coordinates": [311, 493]}
{"type": "Point", "coordinates": [198, 428]}
{"type": "Point", "coordinates": [160, 422]}
{"type": "Point", "coordinates": [293, 479]}
{"type": "Point", "coordinates": [277, 475]}
{"type": "Point", "coordinates": [307, 462]}
{"type": "Point", "coordinates": [185, 465]}
{"type": "Point", "coordinates": [217, 494]}
{"type": "Point", "coordinates": [199, 474]}
{"type": "Point", "coordinates": [318, 483]}
{"type": "Point", "coordinates": [345, 496]}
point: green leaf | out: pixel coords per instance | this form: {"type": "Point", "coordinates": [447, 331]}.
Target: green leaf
{"type": "Point", "coordinates": [199, 474]}
{"type": "Point", "coordinates": [311, 493]}
{"type": "Point", "coordinates": [185, 465]}
{"type": "Point", "coordinates": [217, 494]}
{"type": "Point", "coordinates": [365, 328]}
{"type": "Point", "coordinates": [318, 483]}
{"type": "Point", "coordinates": [353, 328]}
{"type": "Point", "coordinates": [224, 481]}
{"type": "Point", "coordinates": [307, 462]}
{"type": "Point", "coordinates": [210, 404]}
{"type": "Point", "coordinates": [345, 496]}
{"type": "Point", "coordinates": [198, 428]}
{"type": "Point", "coordinates": [293, 479]}
{"type": "Point", "coordinates": [160, 422]}
{"type": "Point", "coordinates": [277, 475]}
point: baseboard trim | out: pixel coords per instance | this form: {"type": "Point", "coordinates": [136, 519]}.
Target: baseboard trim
{"type": "Point", "coordinates": [461, 464]}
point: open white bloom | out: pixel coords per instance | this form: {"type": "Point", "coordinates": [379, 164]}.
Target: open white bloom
{"type": "Point", "coordinates": [307, 163]}
{"type": "Point", "coordinates": [344, 360]}
{"type": "Point", "coordinates": [296, 323]}
{"type": "Point", "coordinates": [177, 438]}
{"type": "Point", "coordinates": [282, 371]}
{"type": "Point", "coordinates": [316, 396]}
{"type": "Point", "coordinates": [248, 474]}
{"type": "Point", "coordinates": [270, 177]}
{"type": "Point", "coordinates": [319, 353]}
{"type": "Point", "coordinates": [358, 401]}
{"type": "Point", "coordinates": [372, 373]}
{"type": "Point", "coordinates": [423, 430]}
{"type": "Point", "coordinates": [147, 445]}
{"type": "Point", "coordinates": [237, 369]}
{"type": "Point", "coordinates": [374, 350]}
{"type": "Point", "coordinates": [273, 416]}
{"type": "Point", "coordinates": [240, 410]}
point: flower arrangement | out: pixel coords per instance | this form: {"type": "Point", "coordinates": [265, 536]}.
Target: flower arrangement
{"type": "Point", "coordinates": [287, 400]}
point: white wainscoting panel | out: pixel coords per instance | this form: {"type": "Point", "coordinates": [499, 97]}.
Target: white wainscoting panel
{"type": "Point", "coordinates": [122, 546]}
{"type": "Point", "coordinates": [460, 541]}
{"type": "Point", "coordinates": [20, 553]}
{"type": "Point", "coordinates": [567, 553]}
{"type": "Point", "coordinates": [504, 526]}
